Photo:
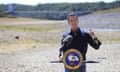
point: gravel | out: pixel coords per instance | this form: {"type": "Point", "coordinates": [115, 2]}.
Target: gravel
{"type": "Point", "coordinates": [38, 60]}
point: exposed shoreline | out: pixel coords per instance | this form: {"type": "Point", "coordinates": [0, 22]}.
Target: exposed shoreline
{"type": "Point", "coordinates": [28, 45]}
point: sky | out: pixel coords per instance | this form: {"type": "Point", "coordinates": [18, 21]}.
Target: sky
{"type": "Point", "coordinates": [35, 2]}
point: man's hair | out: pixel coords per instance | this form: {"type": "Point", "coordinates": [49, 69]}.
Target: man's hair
{"type": "Point", "coordinates": [71, 14]}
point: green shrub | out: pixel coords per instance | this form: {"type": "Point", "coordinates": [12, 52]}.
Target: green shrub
{"type": "Point", "coordinates": [2, 14]}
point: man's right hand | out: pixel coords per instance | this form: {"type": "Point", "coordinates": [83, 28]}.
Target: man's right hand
{"type": "Point", "coordinates": [60, 58]}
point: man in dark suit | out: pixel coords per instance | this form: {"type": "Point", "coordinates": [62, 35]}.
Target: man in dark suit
{"type": "Point", "coordinates": [80, 41]}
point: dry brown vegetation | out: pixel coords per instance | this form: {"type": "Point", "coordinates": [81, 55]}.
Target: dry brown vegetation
{"type": "Point", "coordinates": [117, 10]}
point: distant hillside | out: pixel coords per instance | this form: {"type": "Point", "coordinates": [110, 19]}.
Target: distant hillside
{"type": "Point", "coordinates": [89, 7]}
{"type": "Point", "coordinates": [109, 19]}
{"type": "Point", "coordinates": [93, 6]}
{"type": "Point", "coordinates": [116, 10]}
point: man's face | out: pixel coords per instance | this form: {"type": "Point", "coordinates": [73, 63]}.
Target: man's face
{"type": "Point", "coordinates": [73, 22]}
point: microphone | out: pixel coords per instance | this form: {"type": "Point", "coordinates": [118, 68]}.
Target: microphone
{"type": "Point", "coordinates": [67, 40]}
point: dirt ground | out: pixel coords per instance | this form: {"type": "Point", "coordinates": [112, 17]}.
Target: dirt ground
{"type": "Point", "coordinates": [25, 49]}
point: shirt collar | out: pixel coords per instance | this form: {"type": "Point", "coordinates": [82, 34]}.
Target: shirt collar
{"type": "Point", "coordinates": [75, 33]}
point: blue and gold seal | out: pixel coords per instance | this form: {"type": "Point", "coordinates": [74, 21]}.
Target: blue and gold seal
{"type": "Point", "coordinates": [72, 59]}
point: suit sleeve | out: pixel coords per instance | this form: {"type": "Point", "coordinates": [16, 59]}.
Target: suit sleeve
{"type": "Point", "coordinates": [95, 43]}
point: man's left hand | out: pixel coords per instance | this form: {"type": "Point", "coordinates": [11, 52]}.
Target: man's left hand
{"type": "Point", "coordinates": [92, 34]}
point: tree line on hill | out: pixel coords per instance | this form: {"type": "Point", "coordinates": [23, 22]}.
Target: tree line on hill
{"type": "Point", "coordinates": [91, 7]}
